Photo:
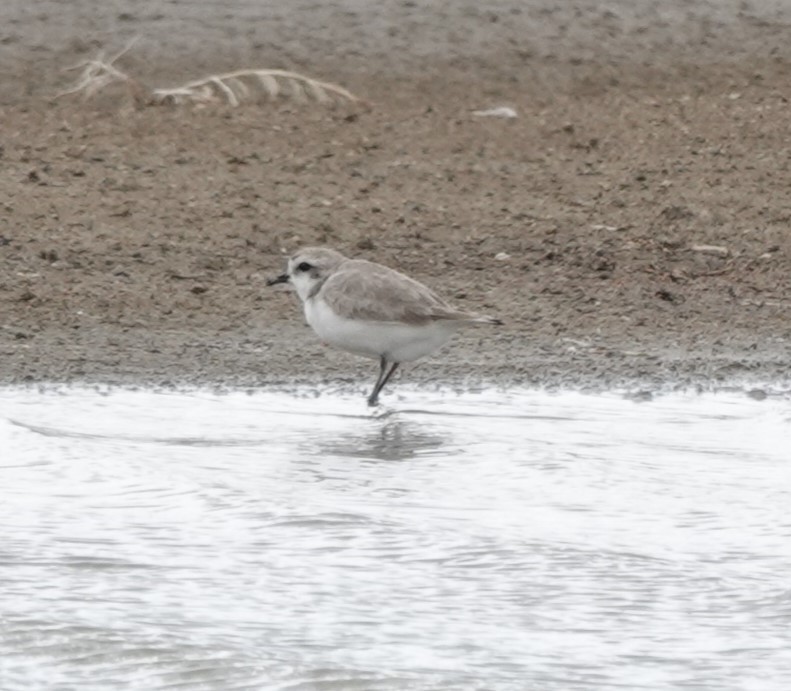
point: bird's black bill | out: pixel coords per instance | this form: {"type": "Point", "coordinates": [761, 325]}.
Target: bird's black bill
{"type": "Point", "coordinates": [282, 278]}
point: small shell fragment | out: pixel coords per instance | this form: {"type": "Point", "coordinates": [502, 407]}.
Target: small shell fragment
{"type": "Point", "coordinates": [716, 250]}
{"type": "Point", "coordinates": [500, 112]}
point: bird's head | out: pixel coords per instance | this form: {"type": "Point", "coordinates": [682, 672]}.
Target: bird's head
{"type": "Point", "coordinates": [308, 268]}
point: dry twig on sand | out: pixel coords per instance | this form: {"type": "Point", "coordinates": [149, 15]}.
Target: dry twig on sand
{"type": "Point", "coordinates": [98, 73]}
{"type": "Point", "coordinates": [231, 87]}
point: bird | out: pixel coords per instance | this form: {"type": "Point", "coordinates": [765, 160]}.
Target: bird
{"type": "Point", "coordinates": [372, 310]}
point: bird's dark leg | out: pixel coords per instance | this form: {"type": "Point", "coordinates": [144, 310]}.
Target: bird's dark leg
{"type": "Point", "coordinates": [373, 398]}
{"type": "Point", "coordinates": [393, 368]}
{"type": "Point", "coordinates": [384, 377]}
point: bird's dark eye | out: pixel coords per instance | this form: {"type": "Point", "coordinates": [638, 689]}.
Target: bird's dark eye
{"type": "Point", "coordinates": [304, 266]}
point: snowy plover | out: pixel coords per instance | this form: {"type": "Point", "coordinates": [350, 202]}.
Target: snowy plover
{"type": "Point", "coordinates": [370, 310]}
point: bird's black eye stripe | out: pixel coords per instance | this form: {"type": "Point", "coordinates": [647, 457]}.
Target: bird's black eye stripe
{"type": "Point", "coordinates": [304, 266]}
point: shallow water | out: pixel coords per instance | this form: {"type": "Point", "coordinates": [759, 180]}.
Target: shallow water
{"type": "Point", "coordinates": [476, 541]}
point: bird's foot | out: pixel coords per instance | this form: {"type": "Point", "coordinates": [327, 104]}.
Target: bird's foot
{"type": "Point", "coordinates": [373, 401]}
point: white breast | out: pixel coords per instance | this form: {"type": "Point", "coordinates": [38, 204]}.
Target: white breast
{"type": "Point", "coordinates": [397, 342]}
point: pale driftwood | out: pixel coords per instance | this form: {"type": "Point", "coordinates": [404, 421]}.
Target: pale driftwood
{"type": "Point", "coordinates": [233, 87]}
{"type": "Point", "coordinates": [230, 87]}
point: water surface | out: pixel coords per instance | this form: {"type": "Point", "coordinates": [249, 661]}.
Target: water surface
{"type": "Point", "coordinates": [450, 541]}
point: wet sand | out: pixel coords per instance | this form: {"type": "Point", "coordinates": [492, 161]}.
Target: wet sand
{"type": "Point", "coordinates": [630, 226]}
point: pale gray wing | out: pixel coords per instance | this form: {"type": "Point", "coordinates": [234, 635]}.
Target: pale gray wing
{"type": "Point", "coordinates": [371, 292]}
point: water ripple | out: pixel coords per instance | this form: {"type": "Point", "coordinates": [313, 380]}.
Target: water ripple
{"type": "Point", "coordinates": [478, 541]}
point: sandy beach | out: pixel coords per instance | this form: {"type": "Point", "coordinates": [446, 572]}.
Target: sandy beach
{"type": "Point", "coordinates": [630, 226]}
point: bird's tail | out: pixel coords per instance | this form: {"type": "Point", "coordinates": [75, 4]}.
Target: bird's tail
{"type": "Point", "coordinates": [484, 319]}
{"type": "Point", "coordinates": [460, 317]}
{"type": "Point", "coordinates": [481, 319]}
